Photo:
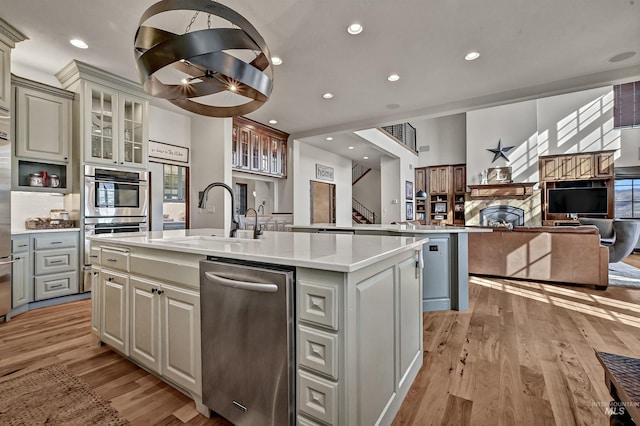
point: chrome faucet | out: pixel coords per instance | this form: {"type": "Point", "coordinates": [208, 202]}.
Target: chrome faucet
{"type": "Point", "coordinates": [202, 202]}
{"type": "Point", "coordinates": [256, 229]}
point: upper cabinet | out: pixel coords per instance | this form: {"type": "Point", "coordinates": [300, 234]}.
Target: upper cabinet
{"type": "Point", "coordinates": [9, 36]}
{"type": "Point", "coordinates": [41, 130]}
{"type": "Point", "coordinates": [258, 149]}
{"type": "Point", "coordinates": [584, 166]}
{"type": "Point", "coordinates": [113, 116]}
{"type": "Point", "coordinates": [116, 127]}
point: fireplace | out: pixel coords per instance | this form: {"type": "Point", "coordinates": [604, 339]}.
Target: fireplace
{"type": "Point", "coordinates": [502, 215]}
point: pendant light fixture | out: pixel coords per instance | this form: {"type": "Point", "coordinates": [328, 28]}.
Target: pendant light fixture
{"type": "Point", "coordinates": [227, 69]}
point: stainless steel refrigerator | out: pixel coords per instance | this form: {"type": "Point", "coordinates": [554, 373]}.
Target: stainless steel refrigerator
{"type": "Point", "coordinates": [5, 216]}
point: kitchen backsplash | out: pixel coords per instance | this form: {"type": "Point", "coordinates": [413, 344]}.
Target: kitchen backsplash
{"type": "Point", "coordinates": [33, 204]}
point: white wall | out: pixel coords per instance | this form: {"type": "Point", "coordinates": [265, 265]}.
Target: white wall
{"type": "Point", "coordinates": [367, 192]}
{"type": "Point", "coordinates": [446, 138]}
{"type": "Point", "coordinates": [577, 122]}
{"type": "Point", "coordinates": [285, 186]}
{"type": "Point", "coordinates": [210, 162]}
{"type": "Point", "coordinates": [515, 125]}
{"type": "Point", "coordinates": [305, 158]}
{"type": "Point", "coordinates": [25, 205]}
{"type": "Point", "coordinates": [629, 148]}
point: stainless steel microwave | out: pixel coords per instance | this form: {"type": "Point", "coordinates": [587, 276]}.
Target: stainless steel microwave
{"type": "Point", "coordinates": [112, 192]}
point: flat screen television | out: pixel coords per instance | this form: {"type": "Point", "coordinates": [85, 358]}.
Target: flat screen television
{"type": "Point", "coordinates": [578, 201]}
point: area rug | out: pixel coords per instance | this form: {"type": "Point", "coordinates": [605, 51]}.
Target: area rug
{"type": "Point", "coordinates": [624, 275]}
{"type": "Point", "coordinates": [53, 396]}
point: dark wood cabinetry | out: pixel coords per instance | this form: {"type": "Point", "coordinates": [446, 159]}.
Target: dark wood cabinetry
{"type": "Point", "coordinates": [445, 186]}
{"type": "Point", "coordinates": [593, 169]}
{"type": "Point", "coordinates": [257, 148]}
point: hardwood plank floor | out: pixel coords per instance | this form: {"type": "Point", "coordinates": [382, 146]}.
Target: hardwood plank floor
{"type": "Point", "coordinates": [522, 354]}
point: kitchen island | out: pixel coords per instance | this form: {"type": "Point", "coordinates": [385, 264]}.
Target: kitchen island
{"type": "Point", "coordinates": [358, 317]}
{"type": "Point", "coordinates": [446, 275]}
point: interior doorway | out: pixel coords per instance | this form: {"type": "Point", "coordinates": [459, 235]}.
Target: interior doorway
{"type": "Point", "coordinates": [169, 196]}
{"type": "Point", "coordinates": [323, 202]}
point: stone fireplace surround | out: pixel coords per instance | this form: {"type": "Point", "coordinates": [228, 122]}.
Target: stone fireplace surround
{"type": "Point", "coordinates": [530, 205]}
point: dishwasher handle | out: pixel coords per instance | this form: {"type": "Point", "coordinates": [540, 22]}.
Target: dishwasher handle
{"type": "Point", "coordinates": [242, 285]}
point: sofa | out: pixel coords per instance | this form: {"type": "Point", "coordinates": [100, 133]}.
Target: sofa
{"type": "Point", "coordinates": [559, 254]}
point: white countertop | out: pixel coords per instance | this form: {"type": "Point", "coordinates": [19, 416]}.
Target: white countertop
{"type": "Point", "coordinates": [333, 252]}
{"type": "Point", "coordinates": [20, 231]}
{"type": "Point", "coordinates": [396, 228]}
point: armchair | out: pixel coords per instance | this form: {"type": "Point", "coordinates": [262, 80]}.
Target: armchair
{"type": "Point", "coordinates": [619, 236]}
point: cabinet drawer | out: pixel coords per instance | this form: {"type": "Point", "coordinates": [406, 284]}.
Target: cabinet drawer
{"type": "Point", "coordinates": [51, 261]}
{"type": "Point", "coordinates": [54, 241]}
{"type": "Point", "coordinates": [19, 245]}
{"type": "Point", "coordinates": [318, 398]}
{"type": "Point", "coordinates": [94, 255]}
{"type": "Point", "coordinates": [115, 259]}
{"type": "Point", "coordinates": [318, 351]}
{"type": "Point", "coordinates": [318, 304]}
{"type": "Point", "coordinates": [55, 285]}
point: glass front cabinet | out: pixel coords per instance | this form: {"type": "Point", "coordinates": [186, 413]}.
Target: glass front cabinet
{"type": "Point", "coordinates": [116, 123]}
{"type": "Point", "coordinates": [258, 149]}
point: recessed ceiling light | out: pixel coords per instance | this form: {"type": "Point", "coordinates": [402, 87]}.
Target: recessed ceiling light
{"type": "Point", "coordinates": [472, 56]}
{"type": "Point", "coordinates": [329, 138]}
{"type": "Point", "coordinates": [328, 95]}
{"type": "Point", "coordinates": [350, 147]}
{"type": "Point", "coordinates": [276, 60]}
{"type": "Point", "coordinates": [273, 121]}
{"type": "Point", "coordinates": [354, 28]}
{"type": "Point", "coordinates": [393, 77]}
{"type": "Point", "coordinates": [365, 158]}
{"type": "Point", "coordinates": [79, 43]}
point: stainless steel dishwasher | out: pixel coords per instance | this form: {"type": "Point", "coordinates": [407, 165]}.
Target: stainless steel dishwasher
{"type": "Point", "coordinates": [248, 347]}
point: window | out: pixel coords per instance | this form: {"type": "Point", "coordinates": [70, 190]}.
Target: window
{"type": "Point", "coordinates": [175, 178]}
{"type": "Point", "coordinates": [627, 198]}
{"type": "Point", "coordinates": [626, 105]}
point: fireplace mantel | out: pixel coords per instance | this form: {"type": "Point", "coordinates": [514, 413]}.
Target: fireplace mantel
{"type": "Point", "coordinates": [515, 190]}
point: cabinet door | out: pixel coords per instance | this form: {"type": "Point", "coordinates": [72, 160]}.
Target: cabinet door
{"type": "Point", "coordinates": [245, 139]}
{"type": "Point", "coordinates": [132, 134]}
{"type": "Point", "coordinates": [420, 180]}
{"type": "Point", "coordinates": [603, 164]}
{"type": "Point", "coordinates": [547, 168]}
{"type": "Point", "coordinates": [96, 293]}
{"type": "Point", "coordinates": [254, 151]}
{"type": "Point", "coordinates": [566, 168]}
{"type": "Point", "coordinates": [584, 166]}
{"type": "Point", "coordinates": [20, 280]}
{"type": "Point", "coordinates": [114, 310]}
{"type": "Point", "coordinates": [43, 125]}
{"type": "Point", "coordinates": [144, 311]}
{"type": "Point", "coordinates": [459, 179]}
{"type": "Point", "coordinates": [101, 124]}
{"type": "Point", "coordinates": [235, 150]}
{"type": "Point", "coordinates": [434, 180]}
{"type": "Point", "coordinates": [5, 77]}
{"type": "Point", "coordinates": [180, 315]}
{"type": "Point", "coordinates": [265, 144]}
{"type": "Point", "coordinates": [410, 315]}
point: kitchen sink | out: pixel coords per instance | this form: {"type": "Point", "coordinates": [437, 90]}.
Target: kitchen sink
{"type": "Point", "coordinates": [202, 240]}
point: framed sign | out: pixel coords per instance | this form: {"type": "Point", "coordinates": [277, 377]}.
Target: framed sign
{"type": "Point", "coordinates": [408, 190]}
{"type": "Point", "coordinates": [165, 151]}
{"type": "Point", "coordinates": [409, 210]}
{"type": "Point", "coordinates": [499, 175]}
{"type": "Point", "coordinates": [324, 172]}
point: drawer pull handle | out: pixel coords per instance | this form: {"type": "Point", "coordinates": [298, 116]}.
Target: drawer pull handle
{"type": "Point", "coordinates": [160, 292]}
{"type": "Point", "coordinates": [153, 290]}
{"type": "Point", "coordinates": [93, 255]}
{"type": "Point", "coordinates": [95, 274]}
{"type": "Point", "coordinates": [53, 262]}
{"type": "Point", "coordinates": [112, 260]}
{"type": "Point", "coordinates": [55, 242]}
{"type": "Point", "coordinates": [56, 286]}
{"type": "Point", "coordinates": [16, 258]}
{"type": "Point", "coordinates": [110, 279]}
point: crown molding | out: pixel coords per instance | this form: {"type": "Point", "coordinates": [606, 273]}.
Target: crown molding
{"type": "Point", "coordinates": [10, 35]}
{"type": "Point", "coordinates": [41, 87]}
{"type": "Point", "coordinates": [78, 70]}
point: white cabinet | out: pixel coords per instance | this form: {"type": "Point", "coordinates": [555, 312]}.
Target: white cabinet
{"type": "Point", "coordinates": [43, 124]}
{"type": "Point", "coordinates": [165, 331]}
{"type": "Point", "coordinates": [20, 276]}
{"type": "Point", "coordinates": [96, 293]}
{"type": "Point", "coordinates": [116, 127]}
{"type": "Point", "coordinates": [114, 309]}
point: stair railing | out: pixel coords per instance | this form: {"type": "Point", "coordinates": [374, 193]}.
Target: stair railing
{"type": "Point", "coordinates": [357, 171]}
{"type": "Point", "coordinates": [363, 211]}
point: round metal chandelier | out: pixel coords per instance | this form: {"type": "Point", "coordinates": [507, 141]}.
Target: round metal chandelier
{"type": "Point", "coordinates": [203, 57]}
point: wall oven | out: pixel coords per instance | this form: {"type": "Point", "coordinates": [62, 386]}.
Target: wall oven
{"type": "Point", "coordinates": [111, 192]}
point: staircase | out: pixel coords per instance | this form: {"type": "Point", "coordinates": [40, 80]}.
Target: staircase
{"type": "Point", "coordinates": [361, 214]}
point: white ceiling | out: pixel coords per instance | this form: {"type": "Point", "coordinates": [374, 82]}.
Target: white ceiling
{"type": "Point", "coordinates": [528, 48]}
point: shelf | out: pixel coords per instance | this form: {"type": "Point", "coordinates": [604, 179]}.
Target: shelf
{"type": "Point", "coordinates": [25, 168]}
{"type": "Point", "coordinates": [502, 190]}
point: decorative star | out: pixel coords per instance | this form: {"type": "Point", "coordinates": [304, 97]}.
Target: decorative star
{"type": "Point", "coordinates": [500, 151]}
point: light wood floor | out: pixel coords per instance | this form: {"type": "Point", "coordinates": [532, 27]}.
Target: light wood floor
{"type": "Point", "coordinates": [523, 354]}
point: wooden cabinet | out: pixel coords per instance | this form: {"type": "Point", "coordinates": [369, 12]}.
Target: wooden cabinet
{"type": "Point", "coordinates": [421, 205]}
{"type": "Point", "coordinates": [165, 330]}
{"type": "Point", "coordinates": [258, 149]}
{"type": "Point", "coordinates": [116, 127]}
{"type": "Point", "coordinates": [603, 164]}
{"type": "Point", "coordinates": [21, 283]}
{"type": "Point", "coordinates": [447, 187]}
{"type": "Point", "coordinates": [42, 130]}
